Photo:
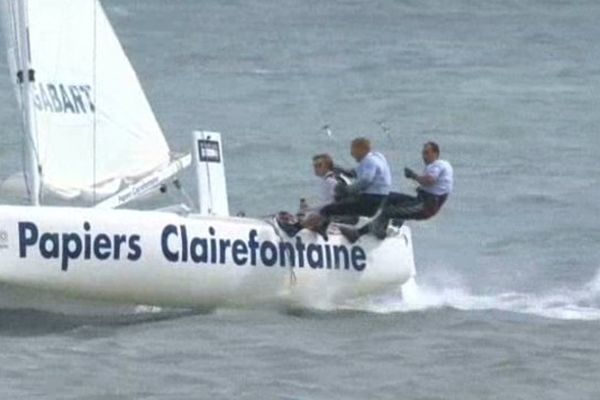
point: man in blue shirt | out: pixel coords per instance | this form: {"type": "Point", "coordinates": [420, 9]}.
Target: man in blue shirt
{"type": "Point", "coordinates": [367, 193]}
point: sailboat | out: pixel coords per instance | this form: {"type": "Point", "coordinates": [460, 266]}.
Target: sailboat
{"type": "Point", "coordinates": [92, 139]}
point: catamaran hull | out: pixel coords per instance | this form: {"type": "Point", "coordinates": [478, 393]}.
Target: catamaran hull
{"type": "Point", "coordinates": [156, 258]}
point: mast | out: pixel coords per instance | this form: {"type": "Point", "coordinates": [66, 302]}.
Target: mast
{"type": "Point", "coordinates": [25, 78]}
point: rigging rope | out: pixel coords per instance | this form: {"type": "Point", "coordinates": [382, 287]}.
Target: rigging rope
{"type": "Point", "coordinates": [94, 94]}
{"type": "Point", "coordinates": [18, 60]}
{"type": "Point", "coordinates": [209, 181]}
{"type": "Point", "coordinates": [16, 12]}
{"type": "Point", "coordinates": [272, 221]}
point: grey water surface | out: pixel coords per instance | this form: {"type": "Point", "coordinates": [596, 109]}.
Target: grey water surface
{"type": "Point", "coordinates": [509, 299]}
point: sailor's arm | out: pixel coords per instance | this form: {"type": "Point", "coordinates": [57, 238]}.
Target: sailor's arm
{"type": "Point", "coordinates": [365, 176]}
{"type": "Point", "coordinates": [424, 180]}
{"type": "Point", "coordinates": [345, 171]}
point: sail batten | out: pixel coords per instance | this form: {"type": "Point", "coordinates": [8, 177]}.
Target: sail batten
{"type": "Point", "coordinates": [95, 130]}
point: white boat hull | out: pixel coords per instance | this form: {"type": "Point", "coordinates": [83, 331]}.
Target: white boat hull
{"type": "Point", "coordinates": [157, 258]}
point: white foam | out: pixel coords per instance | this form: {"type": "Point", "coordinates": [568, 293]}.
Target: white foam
{"type": "Point", "coordinates": [121, 11]}
{"type": "Point", "coordinates": [144, 309]}
{"type": "Point", "coordinates": [580, 304]}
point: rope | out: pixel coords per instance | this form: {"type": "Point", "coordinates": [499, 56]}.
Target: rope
{"type": "Point", "coordinates": [18, 61]}
{"type": "Point", "coordinates": [183, 193]}
{"type": "Point", "coordinates": [293, 279]}
{"type": "Point", "coordinates": [94, 95]}
{"type": "Point", "coordinates": [208, 181]}
{"type": "Point", "coordinates": [209, 188]}
{"type": "Point", "coordinates": [27, 116]}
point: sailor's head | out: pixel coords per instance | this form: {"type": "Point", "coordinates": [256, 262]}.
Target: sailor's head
{"type": "Point", "coordinates": [359, 148]}
{"type": "Point", "coordinates": [431, 152]}
{"type": "Point", "coordinates": [322, 164]}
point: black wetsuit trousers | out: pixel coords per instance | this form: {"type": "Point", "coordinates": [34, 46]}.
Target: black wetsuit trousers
{"type": "Point", "coordinates": [423, 206]}
{"type": "Point", "coordinates": [363, 204]}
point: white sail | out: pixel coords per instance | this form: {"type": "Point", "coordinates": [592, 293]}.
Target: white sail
{"type": "Point", "coordinates": [95, 130]}
{"type": "Point", "coordinates": [11, 40]}
{"type": "Point", "coordinates": [16, 22]}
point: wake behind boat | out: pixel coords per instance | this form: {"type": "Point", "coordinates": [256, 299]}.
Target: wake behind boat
{"type": "Point", "coordinates": [92, 137]}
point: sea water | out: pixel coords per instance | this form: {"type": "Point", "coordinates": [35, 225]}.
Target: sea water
{"type": "Point", "coordinates": [507, 301]}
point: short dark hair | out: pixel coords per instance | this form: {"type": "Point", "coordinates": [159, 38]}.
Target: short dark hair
{"type": "Point", "coordinates": [324, 158]}
{"type": "Point", "coordinates": [434, 146]}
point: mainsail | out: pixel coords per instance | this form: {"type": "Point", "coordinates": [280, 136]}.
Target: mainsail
{"type": "Point", "coordinates": [94, 131]}
{"type": "Point", "coordinates": [11, 39]}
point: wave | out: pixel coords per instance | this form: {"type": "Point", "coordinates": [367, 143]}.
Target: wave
{"type": "Point", "coordinates": [564, 304]}
{"type": "Point", "coordinates": [120, 11]}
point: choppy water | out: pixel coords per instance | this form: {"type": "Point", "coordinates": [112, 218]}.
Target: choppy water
{"type": "Point", "coordinates": [509, 300]}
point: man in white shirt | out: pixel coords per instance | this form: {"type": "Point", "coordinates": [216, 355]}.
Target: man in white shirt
{"type": "Point", "coordinates": [324, 169]}
{"type": "Point", "coordinates": [328, 180]}
{"type": "Point", "coordinates": [308, 215]}
{"type": "Point", "coordinates": [438, 175]}
{"type": "Point", "coordinates": [435, 184]}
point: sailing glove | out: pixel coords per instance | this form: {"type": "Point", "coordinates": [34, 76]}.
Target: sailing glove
{"type": "Point", "coordinates": [410, 174]}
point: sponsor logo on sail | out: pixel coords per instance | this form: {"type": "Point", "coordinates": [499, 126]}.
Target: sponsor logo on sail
{"type": "Point", "coordinates": [63, 98]}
